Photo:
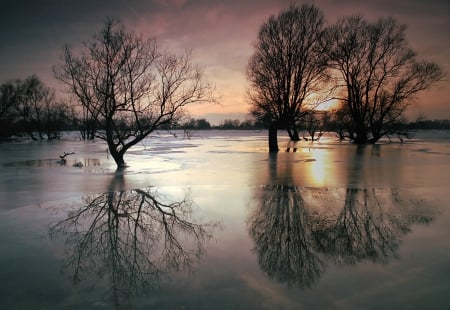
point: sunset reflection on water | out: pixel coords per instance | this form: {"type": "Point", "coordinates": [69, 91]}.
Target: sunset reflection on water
{"type": "Point", "coordinates": [312, 167]}
{"type": "Point", "coordinates": [326, 220]}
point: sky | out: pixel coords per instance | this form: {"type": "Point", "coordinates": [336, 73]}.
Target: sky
{"type": "Point", "coordinates": [220, 33]}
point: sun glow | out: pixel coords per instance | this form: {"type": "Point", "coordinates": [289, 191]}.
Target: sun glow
{"type": "Point", "coordinates": [328, 105]}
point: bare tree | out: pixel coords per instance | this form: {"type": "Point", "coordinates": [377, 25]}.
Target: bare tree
{"type": "Point", "coordinates": [31, 94]}
{"type": "Point", "coordinates": [380, 73]}
{"type": "Point", "coordinates": [28, 106]}
{"type": "Point", "coordinates": [8, 94]}
{"type": "Point", "coordinates": [287, 69]}
{"type": "Point", "coordinates": [129, 86]}
{"type": "Point", "coordinates": [35, 108]}
{"type": "Point", "coordinates": [56, 116]}
{"type": "Point", "coordinates": [314, 122]}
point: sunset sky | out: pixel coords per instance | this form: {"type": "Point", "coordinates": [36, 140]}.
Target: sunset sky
{"type": "Point", "coordinates": [219, 32]}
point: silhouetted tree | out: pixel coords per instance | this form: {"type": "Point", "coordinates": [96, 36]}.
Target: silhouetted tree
{"type": "Point", "coordinates": [31, 107]}
{"type": "Point", "coordinates": [129, 86]}
{"type": "Point", "coordinates": [380, 72]}
{"type": "Point", "coordinates": [314, 123]}
{"type": "Point", "coordinates": [193, 123]}
{"type": "Point", "coordinates": [287, 69]}
{"type": "Point", "coordinates": [32, 99]}
{"type": "Point", "coordinates": [56, 116]}
{"type": "Point", "coordinates": [8, 95]}
{"type": "Point", "coordinates": [341, 122]}
{"type": "Point", "coordinates": [230, 124]}
{"type": "Point", "coordinates": [129, 239]}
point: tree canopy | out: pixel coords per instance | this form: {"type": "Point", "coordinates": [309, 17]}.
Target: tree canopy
{"type": "Point", "coordinates": [380, 74]}
{"type": "Point", "coordinates": [369, 66]}
{"type": "Point", "coordinates": [287, 69]}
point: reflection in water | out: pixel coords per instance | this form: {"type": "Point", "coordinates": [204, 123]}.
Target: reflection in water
{"type": "Point", "coordinates": [281, 229]}
{"type": "Point", "coordinates": [130, 239]}
{"type": "Point", "coordinates": [299, 231]}
{"type": "Point", "coordinates": [317, 171]}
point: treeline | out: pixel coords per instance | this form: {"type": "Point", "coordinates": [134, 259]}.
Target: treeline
{"type": "Point", "coordinates": [442, 124]}
{"type": "Point", "coordinates": [313, 124]}
{"type": "Point", "coordinates": [29, 108]}
{"type": "Point", "coordinates": [202, 123]}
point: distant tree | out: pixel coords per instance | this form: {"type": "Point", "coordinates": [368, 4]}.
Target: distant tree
{"type": "Point", "coordinates": [7, 97]}
{"type": "Point", "coordinates": [192, 123]}
{"type": "Point", "coordinates": [129, 86]}
{"type": "Point", "coordinates": [28, 106]}
{"type": "Point", "coordinates": [287, 69]}
{"type": "Point", "coordinates": [422, 123]}
{"type": "Point", "coordinates": [57, 116]}
{"type": "Point", "coordinates": [314, 123]}
{"type": "Point", "coordinates": [203, 124]}
{"type": "Point", "coordinates": [31, 97]}
{"type": "Point", "coordinates": [8, 93]}
{"type": "Point", "coordinates": [340, 122]}
{"type": "Point", "coordinates": [248, 124]}
{"type": "Point", "coordinates": [380, 74]}
{"type": "Point", "coordinates": [230, 124]}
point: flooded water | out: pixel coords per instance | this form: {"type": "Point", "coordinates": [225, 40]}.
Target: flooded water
{"type": "Point", "coordinates": [212, 221]}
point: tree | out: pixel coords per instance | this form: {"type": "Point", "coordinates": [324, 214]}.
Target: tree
{"type": "Point", "coordinates": [287, 69]}
{"type": "Point", "coordinates": [30, 106]}
{"type": "Point", "coordinates": [32, 95]}
{"type": "Point", "coordinates": [129, 86]}
{"type": "Point", "coordinates": [8, 94]}
{"type": "Point", "coordinates": [56, 116]}
{"type": "Point", "coordinates": [314, 123]}
{"type": "Point", "coordinates": [380, 74]}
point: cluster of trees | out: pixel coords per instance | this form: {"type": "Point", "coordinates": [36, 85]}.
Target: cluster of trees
{"type": "Point", "coordinates": [299, 62]}
{"type": "Point", "coordinates": [202, 124]}
{"type": "Point", "coordinates": [443, 124]}
{"type": "Point", "coordinates": [127, 86]}
{"type": "Point", "coordinates": [28, 107]}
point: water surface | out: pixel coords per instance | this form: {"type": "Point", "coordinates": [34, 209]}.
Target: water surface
{"type": "Point", "coordinates": [215, 222]}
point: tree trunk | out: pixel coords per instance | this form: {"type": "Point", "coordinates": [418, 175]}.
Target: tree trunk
{"type": "Point", "coordinates": [117, 156]}
{"type": "Point", "coordinates": [360, 136]}
{"type": "Point", "coordinates": [293, 134]}
{"type": "Point", "coordinates": [273, 138]}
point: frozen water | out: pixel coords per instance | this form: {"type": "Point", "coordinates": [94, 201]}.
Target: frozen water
{"type": "Point", "coordinates": [331, 225]}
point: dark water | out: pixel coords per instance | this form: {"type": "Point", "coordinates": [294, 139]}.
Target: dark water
{"type": "Point", "coordinates": [215, 222]}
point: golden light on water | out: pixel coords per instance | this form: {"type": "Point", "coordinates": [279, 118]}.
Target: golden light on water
{"type": "Point", "coordinates": [317, 169]}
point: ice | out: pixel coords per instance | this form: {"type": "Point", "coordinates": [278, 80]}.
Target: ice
{"type": "Point", "coordinates": [306, 206]}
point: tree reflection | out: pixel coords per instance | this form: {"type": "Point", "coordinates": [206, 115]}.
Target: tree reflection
{"type": "Point", "coordinates": [130, 239]}
{"type": "Point", "coordinates": [368, 227]}
{"type": "Point", "coordinates": [281, 228]}
{"type": "Point", "coordinates": [299, 231]}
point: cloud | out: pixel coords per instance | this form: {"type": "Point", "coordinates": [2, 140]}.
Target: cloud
{"type": "Point", "coordinates": [220, 33]}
